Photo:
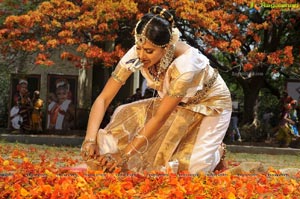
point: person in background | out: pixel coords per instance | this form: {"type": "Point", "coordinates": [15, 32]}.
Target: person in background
{"type": "Point", "coordinates": [183, 128]}
{"type": "Point", "coordinates": [37, 114]}
{"type": "Point", "coordinates": [137, 95]}
{"type": "Point", "coordinates": [149, 92]}
{"type": "Point", "coordinates": [15, 118]}
{"type": "Point", "coordinates": [266, 122]}
{"type": "Point", "coordinates": [284, 100]}
{"type": "Point", "coordinates": [234, 129]}
{"type": "Point", "coordinates": [284, 133]}
{"type": "Point", "coordinates": [62, 114]}
{"type": "Point", "coordinates": [294, 117]}
{"type": "Point", "coordinates": [298, 112]}
{"type": "Point", "coordinates": [52, 103]}
{"type": "Point", "coordinates": [24, 104]}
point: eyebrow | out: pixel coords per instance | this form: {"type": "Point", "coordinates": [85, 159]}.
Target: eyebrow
{"type": "Point", "coordinates": [149, 48]}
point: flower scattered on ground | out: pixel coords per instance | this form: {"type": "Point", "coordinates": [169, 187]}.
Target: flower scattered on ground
{"type": "Point", "coordinates": [27, 171]}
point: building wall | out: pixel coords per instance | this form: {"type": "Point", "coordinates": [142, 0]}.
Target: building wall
{"type": "Point", "coordinates": [62, 68]}
{"type": "Point", "coordinates": [90, 82]}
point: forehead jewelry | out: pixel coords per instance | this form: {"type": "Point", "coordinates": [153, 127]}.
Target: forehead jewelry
{"type": "Point", "coordinates": [141, 39]}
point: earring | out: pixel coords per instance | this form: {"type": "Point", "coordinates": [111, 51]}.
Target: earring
{"type": "Point", "coordinates": [167, 58]}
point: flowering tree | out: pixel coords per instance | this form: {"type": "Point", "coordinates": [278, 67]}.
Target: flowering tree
{"type": "Point", "coordinates": [16, 7]}
{"type": "Point", "coordinates": [8, 8]}
{"type": "Point", "coordinates": [251, 41]}
{"type": "Point", "coordinates": [84, 25]}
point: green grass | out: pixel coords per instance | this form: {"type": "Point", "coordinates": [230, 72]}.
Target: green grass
{"type": "Point", "coordinates": [34, 151]}
{"type": "Point", "coordinates": [275, 161]}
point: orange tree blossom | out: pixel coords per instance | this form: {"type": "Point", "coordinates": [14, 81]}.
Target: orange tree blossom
{"type": "Point", "coordinates": [83, 25]}
{"type": "Point", "coordinates": [245, 39]}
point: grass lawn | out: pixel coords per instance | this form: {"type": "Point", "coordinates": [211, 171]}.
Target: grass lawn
{"type": "Point", "coordinates": [65, 156]}
{"type": "Point", "coordinates": [275, 161]}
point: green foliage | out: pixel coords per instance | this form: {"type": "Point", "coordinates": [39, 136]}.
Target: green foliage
{"type": "Point", "coordinates": [4, 95]}
{"type": "Point", "coordinates": [269, 103]}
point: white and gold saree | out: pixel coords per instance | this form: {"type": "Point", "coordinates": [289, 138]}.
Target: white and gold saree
{"type": "Point", "coordinates": [193, 132]}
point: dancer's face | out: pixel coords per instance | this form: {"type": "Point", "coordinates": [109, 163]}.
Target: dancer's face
{"type": "Point", "coordinates": [149, 54]}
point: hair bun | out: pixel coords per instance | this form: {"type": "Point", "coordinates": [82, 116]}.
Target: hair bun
{"type": "Point", "coordinates": [157, 10]}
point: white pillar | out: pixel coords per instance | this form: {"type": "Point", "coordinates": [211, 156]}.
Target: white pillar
{"type": "Point", "coordinates": [136, 81]}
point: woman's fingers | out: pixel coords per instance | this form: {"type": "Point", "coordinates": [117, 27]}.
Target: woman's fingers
{"type": "Point", "coordinates": [109, 162]}
{"type": "Point", "coordinates": [91, 151]}
{"type": "Point", "coordinates": [113, 166]}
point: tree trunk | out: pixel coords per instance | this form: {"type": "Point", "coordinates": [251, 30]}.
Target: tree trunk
{"type": "Point", "coordinates": [250, 100]}
{"type": "Point", "coordinates": [250, 124]}
{"type": "Point", "coordinates": [251, 88]}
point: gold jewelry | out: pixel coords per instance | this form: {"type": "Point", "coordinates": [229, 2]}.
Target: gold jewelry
{"type": "Point", "coordinates": [202, 93]}
{"type": "Point", "coordinates": [162, 12]}
{"type": "Point", "coordinates": [168, 17]}
{"type": "Point", "coordinates": [140, 39]}
{"type": "Point", "coordinates": [109, 158]}
{"type": "Point", "coordinates": [167, 58]}
{"type": "Point", "coordinates": [87, 141]}
{"type": "Point", "coordinates": [125, 157]}
{"type": "Point", "coordinates": [147, 144]}
{"type": "Point", "coordinates": [157, 72]}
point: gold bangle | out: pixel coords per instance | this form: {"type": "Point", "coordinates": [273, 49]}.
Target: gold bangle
{"type": "Point", "coordinates": [86, 141]}
{"type": "Point", "coordinates": [147, 144]}
{"type": "Point", "coordinates": [89, 140]}
{"type": "Point", "coordinates": [125, 157]}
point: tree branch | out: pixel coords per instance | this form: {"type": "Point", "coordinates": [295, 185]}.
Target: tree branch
{"type": "Point", "coordinates": [192, 41]}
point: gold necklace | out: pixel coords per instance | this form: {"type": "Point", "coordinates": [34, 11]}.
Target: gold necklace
{"type": "Point", "coordinates": [156, 74]}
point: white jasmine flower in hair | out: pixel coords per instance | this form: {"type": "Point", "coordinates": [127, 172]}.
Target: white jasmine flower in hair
{"type": "Point", "coordinates": [175, 35]}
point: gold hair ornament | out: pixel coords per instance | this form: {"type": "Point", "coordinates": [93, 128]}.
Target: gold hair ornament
{"type": "Point", "coordinates": [141, 39]}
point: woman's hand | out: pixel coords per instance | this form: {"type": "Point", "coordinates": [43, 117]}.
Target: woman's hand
{"type": "Point", "coordinates": [111, 161]}
{"type": "Point", "coordinates": [89, 150]}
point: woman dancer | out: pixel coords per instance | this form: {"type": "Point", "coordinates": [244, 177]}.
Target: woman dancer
{"type": "Point", "coordinates": [182, 128]}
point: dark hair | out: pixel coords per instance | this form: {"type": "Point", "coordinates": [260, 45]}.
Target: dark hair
{"type": "Point", "coordinates": [159, 30]}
